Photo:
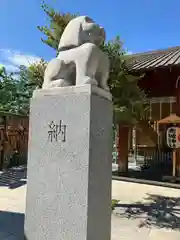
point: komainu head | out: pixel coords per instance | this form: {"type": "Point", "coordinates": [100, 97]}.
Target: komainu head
{"type": "Point", "coordinates": [81, 30]}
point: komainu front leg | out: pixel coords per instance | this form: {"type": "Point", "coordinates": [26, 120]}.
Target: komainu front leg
{"type": "Point", "coordinates": [86, 64]}
{"type": "Point", "coordinates": [55, 74]}
{"type": "Point", "coordinates": [104, 74]}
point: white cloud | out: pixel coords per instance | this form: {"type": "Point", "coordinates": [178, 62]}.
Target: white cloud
{"type": "Point", "coordinates": [128, 52]}
{"type": "Point", "coordinates": [13, 59]}
{"type": "Point", "coordinates": [9, 68]}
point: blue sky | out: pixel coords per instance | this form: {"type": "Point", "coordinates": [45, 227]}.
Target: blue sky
{"type": "Point", "coordinates": [142, 25]}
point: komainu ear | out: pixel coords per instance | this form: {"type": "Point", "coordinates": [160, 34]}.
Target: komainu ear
{"type": "Point", "coordinates": [71, 36]}
{"type": "Point", "coordinates": [102, 34]}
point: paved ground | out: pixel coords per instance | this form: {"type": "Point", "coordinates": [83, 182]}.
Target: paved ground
{"type": "Point", "coordinates": [131, 165]}
{"type": "Point", "coordinates": [143, 212]}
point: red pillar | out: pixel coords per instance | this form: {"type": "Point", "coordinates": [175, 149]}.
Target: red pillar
{"type": "Point", "coordinates": [123, 133]}
{"type": "Point", "coordinates": [178, 114]}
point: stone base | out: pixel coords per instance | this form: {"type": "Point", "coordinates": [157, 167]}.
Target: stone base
{"type": "Point", "coordinates": [69, 174]}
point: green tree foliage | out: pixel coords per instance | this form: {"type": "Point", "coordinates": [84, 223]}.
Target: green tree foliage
{"type": "Point", "coordinates": [58, 22]}
{"type": "Point", "coordinates": [34, 74]}
{"type": "Point", "coordinates": [12, 94]}
{"type": "Point", "coordinates": [30, 78]}
{"type": "Point", "coordinates": [128, 98]}
{"type": "Point", "coordinates": [7, 90]}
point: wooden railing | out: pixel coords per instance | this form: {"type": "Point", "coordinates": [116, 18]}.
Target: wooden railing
{"type": "Point", "coordinates": [159, 107]}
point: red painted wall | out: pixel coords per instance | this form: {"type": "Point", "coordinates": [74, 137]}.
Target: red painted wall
{"type": "Point", "coordinates": [160, 82]}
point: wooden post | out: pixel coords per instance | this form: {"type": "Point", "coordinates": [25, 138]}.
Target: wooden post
{"type": "Point", "coordinates": [177, 89]}
{"type": "Point", "coordinates": [123, 134]}
{"type": "Point", "coordinates": [178, 162]}
{"type": "Point", "coordinates": [174, 162]}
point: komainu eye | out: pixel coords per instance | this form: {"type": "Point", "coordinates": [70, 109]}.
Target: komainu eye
{"type": "Point", "coordinates": [88, 20]}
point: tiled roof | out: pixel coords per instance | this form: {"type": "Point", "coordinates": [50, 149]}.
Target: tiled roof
{"type": "Point", "coordinates": [154, 59]}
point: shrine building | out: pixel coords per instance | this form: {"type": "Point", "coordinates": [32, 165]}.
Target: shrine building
{"type": "Point", "coordinates": [161, 83]}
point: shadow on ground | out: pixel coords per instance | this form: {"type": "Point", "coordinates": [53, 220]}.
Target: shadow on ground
{"type": "Point", "coordinates": [11, 224]}
{"type": "Point", "coordinates": [159, 211]}
{"type": "Point", "coordinates": [14, 177]}
{"type": "Point", "coordinates": [149, 175]}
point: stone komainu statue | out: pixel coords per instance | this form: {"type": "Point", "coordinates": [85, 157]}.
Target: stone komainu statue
{"type": "Point", "coordinates": [80, 60]}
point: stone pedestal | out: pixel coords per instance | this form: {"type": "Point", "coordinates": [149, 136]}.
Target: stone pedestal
{"type": "Point", "coordinates": [69, 165]}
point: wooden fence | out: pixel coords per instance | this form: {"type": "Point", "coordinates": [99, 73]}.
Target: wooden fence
{"type": "Point", "coordinates": [13, 139]}
{"type": "Point", "coordinates": [153, 158]}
